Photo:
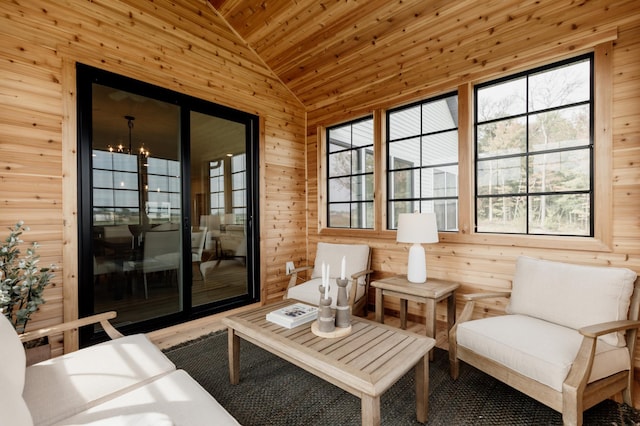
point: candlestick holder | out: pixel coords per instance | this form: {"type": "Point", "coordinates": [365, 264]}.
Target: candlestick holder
{"type": "Point", "coordinates": [343, 316]}
{"type": "Point", "coordinates": [326, 322]}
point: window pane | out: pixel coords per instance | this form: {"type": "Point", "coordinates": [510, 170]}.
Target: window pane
{"type": "Point", "coordinates": [362, 160]}
{"type": "Point", "coordinates": [501, 214]}
{"type": "Point", "coordinates": [362, 133]}
{"type": "Point", "coordinates": [502, 100]}
{"type": "Point", "coordinates": [339, 138]}
{"type": "Point", "coordinates": [503, 137]}
{"type": "Point", "coordinates": [440, 148]}
{"type": "Point", "coordinates": [404, 123]}
{"type": "Point", "coordinates": [440, 115]}
{"type": "Point", "coordinates": [340, 164]}
{"type": "Point", "coordinates": [560, 86]}
{"type": "Point", "coordinates": [362, 215]}
{"type": "Point", "coordinates": [402, 183]}
{"type": "Point", "coordinates": [559, 171]}
{"type": "Point", "coordinates": [567, 214]}
{"type": "Point", "coordinates": [561, 128]}
{"type": "Point", "coordinates": [503, 176]}
{"type": "Point", "coordinates": [404, 154]}
{"type": "Point", "coordinates": [397, 207]}
{"type": "Point", "coordinates": [103, 197]}
{"type": "Point", "coordinates": [340, 189]}
{"type": "Point", "coordinates": [339, 215]}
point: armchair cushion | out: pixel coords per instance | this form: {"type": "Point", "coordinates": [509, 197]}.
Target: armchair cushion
{"type": "Point", "coordinates": [515, 342]}
{"type": "Point", "coordinates": [14, 362]}
{"type": "Point", "coordinates": [357, 260]}
{"type": "Point", "coordinates": [309, 292]}
{"type": "Point", "coordinates": [574, 296]}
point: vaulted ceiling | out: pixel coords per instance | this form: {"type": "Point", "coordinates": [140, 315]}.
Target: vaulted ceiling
{"type": "Point", "coordinates": [320, 47]}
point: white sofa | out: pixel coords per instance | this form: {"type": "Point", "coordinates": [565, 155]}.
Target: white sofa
{"type": "Point", "coordinates": [568, 337]}
{"type": "Point", "coordinates": [124, 381]}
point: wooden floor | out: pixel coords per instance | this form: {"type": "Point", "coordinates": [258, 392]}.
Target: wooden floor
{"type": "Point", "coordinates": [175, 335]}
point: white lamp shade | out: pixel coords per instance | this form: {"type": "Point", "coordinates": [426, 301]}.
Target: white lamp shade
{"type": "Point", "coordinates": [417, 228]}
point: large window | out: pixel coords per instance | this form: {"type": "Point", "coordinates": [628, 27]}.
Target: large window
{"type": "Point", "coordinates": [350, 175]}
{"type": "Point", "coordinates": [534, 151]}
{"type": "Point", "coordinates": [422, 158]}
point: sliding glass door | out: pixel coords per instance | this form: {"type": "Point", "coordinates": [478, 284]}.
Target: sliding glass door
{"type": "Point", "coordinates": [166, 203]}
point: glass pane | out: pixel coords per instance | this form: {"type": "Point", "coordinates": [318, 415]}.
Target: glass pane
{"type": "Point", "coordinates": [137, 251]}
{"type": "Point", "coordinates": [505, 176]}
{"type": "Point", "coordinates": [559, 128]}
{"type": "Point", "coordinates": [402, 184]}
{"type": "Point", "coordinates": [502, 137]}
{"type": "Point", "coordinates": [440, 148]}
{"type": "Point", "coordinates": [404, 154]}
{"type": "Point", "coordinates": [362, 215]}
{"type": "Point", "coordinates": [501, 215]}
{"type": "Point", "coordinates": [218, 200]}
{"type": "Point", "coordinates": [560, 86]}
{"type": "Point", "coordinates": [362, 160]}
{"type": "Point", "coordinates": [339, 138]}
{"type": "Point", "coordinates": [340, 189]}
{"type": "Point", "coordinates": [440, 115]}
{"type": "Point", "coordinates": [502, 100]}
{"type": "Point", "coordinates": [560, 171]}
{"type": "Point", "coordinates": [446, 214]}
{"type": "Point", "coordinates": [339, 215]}
{"type": "Point", "coordinates": [397, 207]}
{"type": "Point", "coordinates": [340, 164]}
{"type": "Point", "coordinates": [363, 133]}
{"type": "Point", "coordinates": [361, 188]}
{"type": "Point", "coordinates": [404, 123]}
{"type": "Point", "coordinates": [564, 214]}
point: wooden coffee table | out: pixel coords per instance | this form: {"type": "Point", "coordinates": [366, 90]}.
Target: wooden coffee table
{"type": "Point", "coordinates": [364, 363]}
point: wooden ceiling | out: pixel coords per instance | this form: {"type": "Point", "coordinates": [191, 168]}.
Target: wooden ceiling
{"type": "Point", "coordinates": [323, 49]}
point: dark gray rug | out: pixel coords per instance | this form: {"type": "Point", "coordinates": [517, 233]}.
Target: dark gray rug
{"type": "Point", "coordinates": [275, 392]}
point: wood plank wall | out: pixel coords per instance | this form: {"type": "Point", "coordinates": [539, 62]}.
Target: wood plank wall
{"type": "Point", "coordinates": [560, 30]}
{"type": "Point", "coordinates": [183, 46]}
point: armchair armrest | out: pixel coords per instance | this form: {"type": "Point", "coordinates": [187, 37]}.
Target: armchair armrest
{"type": "Point", "coordinates": [294, 275]}
{"type": "Point", "coordinates": [479, 296]}
{"type": "Point", "coordinates": [580, 371]}
{"type": "Point", "coordinates": [102, 318]}
{"type": "Point", "coordinates": [357, 275]}
{"type": "Point", "coordinates": [608, 327]}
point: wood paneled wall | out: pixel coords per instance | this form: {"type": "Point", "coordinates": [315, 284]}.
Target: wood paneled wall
{"type": "Point", "coordinates": [183, 46]}
{"type": "Point", "coordinates": [559, 30]}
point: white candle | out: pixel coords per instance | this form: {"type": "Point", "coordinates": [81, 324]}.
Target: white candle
{"type": "Point", "coordinates": [344, 268]}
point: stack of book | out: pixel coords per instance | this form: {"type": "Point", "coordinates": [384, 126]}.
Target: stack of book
{"type": "Point", "coordinates": [293, 315]}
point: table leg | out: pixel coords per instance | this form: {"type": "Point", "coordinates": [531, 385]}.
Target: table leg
{"type": "Point", "coordinates": [451, 310]}
{"type": "Point", "coordinates": [379, 306]}
{"type": "Point", "coordinates": [403, 313]}
{"type": "Point", "coordinates": [370, 410]}
{"type": "Point", "coordinates": [422, 389]}
{"type": "Point", "coordinates": [430, 324]}
{"type": "Point", "coordinates": [234, 356]}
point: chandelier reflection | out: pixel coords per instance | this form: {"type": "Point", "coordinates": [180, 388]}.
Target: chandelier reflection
{"type": "Point", "coordinates": [120, 148]}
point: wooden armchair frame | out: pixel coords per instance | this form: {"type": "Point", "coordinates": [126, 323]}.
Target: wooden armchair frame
{"type": "Point", "coordinates": [577, 395]}
{"type": "Point", "coordinates": [102, 318]}
{"type": "Point", "coordinates": [355, 307]}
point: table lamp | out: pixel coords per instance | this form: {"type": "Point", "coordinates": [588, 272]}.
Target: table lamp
{"type": "Point", "coordinates": [417, 228]}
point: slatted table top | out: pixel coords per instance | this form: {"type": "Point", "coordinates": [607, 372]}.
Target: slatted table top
{"type": "Point", "coordinates": [367, 361]}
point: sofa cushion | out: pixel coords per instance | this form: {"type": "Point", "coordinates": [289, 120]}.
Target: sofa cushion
{"type": "Point", "coordinates": [175, 395]}
{"type": "Point", "coordinates": [14, 361]}
{"type": "Point", "coordinates": [540, 350]}
{"type": "Point", "coordinates": [572, 295]}
{"type": "Point", "coordinates": [60, 387]}
{"type": "Point", "coordinates": [356, 260]}
{"type": "Point", "coordinates": [13, 409]}
{"type": "Point", "coordinates": [309, 292]}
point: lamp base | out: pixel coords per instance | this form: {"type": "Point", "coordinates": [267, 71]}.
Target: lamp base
{"type": "Point", "coordinates": [417, 265]}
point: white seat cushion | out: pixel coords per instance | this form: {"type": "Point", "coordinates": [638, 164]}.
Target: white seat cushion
{"type": "Point", "coordinates": [572, 295]}
{"type": "Point", "coordinates": [540, 350]}
{"type": "Point", "coordinates": [309, 292]}
{"type": "Point", "coordinates": [12, 356]}
{"type": "Point", "coordinates": [66, 385]}
{"type": "Point", "coordinates": [175, 395]}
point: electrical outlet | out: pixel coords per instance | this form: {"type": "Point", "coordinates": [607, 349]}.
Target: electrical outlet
{"type": "Point", "coordinates": [289, 267]}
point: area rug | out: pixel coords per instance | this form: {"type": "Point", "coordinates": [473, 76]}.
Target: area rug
{"type": "Point", "coordinates": [274, 392]}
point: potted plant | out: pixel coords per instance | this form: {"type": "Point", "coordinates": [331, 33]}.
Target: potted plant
{"type": "Point", "coordinates": [22, 282]}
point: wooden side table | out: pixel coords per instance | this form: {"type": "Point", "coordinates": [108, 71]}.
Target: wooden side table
{"type": "Point", "coordinates": [429, 293]}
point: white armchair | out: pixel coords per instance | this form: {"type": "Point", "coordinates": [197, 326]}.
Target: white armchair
{"type": "Point", "coordinates": [358, 262]}
{"type": "Point", "coordinates": [567, 340]}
